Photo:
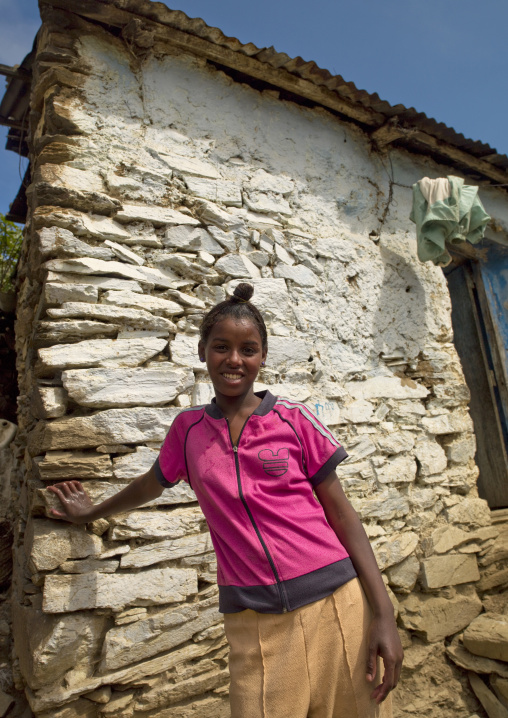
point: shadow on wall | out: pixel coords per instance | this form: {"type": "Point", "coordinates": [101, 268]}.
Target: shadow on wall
{"type": "Point", "coordinates": [400, 328]}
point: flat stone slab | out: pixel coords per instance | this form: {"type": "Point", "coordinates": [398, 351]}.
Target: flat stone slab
{"type": "Point", "coordinates": [66, 465]}
{"type": "Point", "coordinates": [157, 524]}
{"type": "Point", "coordinates": [138, 318]}
{"type": "Point", "coordinates": [449, 570]}
{"type": "Point", "coordinates": [50, 543]}
{"type": "Point", "coordinates": [383, 387]}
{"type": "Point", "coordinates": [168, 550]}
{"type": "Point", "coordinates": [112, 426]}
{"type": "Point", "coordinates": [141, 386]}
{"type": "Point", "coordinates": [157, 305]}
{"type": "Point", "coordinates": [437, 617]}
{"type": "Point", "coordinates": [80, 592]}
{"type": "Point", "coordinates": [101, 352]}
{"type": "Point", "coordinates": [157, 215]}
{"type": "Point", "coordinates": [487, 636]}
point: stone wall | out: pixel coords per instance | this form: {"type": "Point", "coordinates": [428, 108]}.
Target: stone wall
{"type": "Point", "coordinates": [158, 183]}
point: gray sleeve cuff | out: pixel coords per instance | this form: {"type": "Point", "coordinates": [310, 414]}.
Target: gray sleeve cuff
{"type": "Point", "coordinates": [327, 468]}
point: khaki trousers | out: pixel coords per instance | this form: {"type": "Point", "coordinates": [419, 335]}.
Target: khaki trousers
{"type": "Point", "coordinates": [307, 663]}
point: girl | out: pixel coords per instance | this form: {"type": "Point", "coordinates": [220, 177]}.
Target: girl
{"type": "Point", "coordinates": [306, 611]}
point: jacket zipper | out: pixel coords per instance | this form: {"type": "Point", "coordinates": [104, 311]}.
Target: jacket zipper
{"type": "Point", "coordinates": [251, 517]}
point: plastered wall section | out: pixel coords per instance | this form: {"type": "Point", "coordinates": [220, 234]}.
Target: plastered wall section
{"type": "Point", "coordinates": [158, 184]}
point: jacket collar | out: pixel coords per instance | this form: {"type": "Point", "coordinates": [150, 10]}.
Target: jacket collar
{"type": "Point", "coordinates": [267, 403]}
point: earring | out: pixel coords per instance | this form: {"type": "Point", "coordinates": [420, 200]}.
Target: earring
{"type": "Point", "coordinates": [262, 363]}
{"type": "Point", "coordinates": [201, 358]}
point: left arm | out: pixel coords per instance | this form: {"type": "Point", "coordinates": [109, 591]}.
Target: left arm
{"type": "Point", "coordinates": [383, 636]}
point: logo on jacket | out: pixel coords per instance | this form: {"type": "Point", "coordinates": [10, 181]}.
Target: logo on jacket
{"type": "Point", "coordinates": [275, 464]}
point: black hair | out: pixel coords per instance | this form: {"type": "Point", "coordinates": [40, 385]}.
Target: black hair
{"type": "Point", "coordinates": [237, 306]}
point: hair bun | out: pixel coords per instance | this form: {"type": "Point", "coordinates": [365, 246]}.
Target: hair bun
{"type": "Point", "coordinates": [243, 292]}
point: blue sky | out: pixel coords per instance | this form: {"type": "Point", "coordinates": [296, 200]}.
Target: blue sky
{"type": "Point", "coordinates": [447, 58]}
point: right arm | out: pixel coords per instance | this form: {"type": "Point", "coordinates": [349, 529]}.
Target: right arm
{"type": "Point", "coordinates": [77, 507]}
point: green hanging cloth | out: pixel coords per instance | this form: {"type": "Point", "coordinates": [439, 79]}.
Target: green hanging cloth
{"type": "Point", "coordinates": [458, 217]}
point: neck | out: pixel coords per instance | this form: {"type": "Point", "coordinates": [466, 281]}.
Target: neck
{"type": "Point", "coordinates": [233, 405]}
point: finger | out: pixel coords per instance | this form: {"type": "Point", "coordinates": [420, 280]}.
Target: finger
{"type": "Point", "coordinates": [78, 486]}
{"type": "Point", "coordinates": [372, 662]}
{"type": "Point", "coordinates": [66, 489]}
{"type": "Point", "coordinates": [57, 490]}
{"type": "Point", "coordinates": [57, 514]}
{"type": "Point", "coordinates": [386, 685]}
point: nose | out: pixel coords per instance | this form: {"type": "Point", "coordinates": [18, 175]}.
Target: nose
{"type": "Point", "coordinates": [233, 358]}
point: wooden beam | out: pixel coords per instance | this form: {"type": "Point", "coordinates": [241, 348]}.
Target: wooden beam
{"type": "Point", "coordinates": [15, 71]}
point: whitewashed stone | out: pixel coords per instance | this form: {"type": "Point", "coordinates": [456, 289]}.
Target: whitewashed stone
{"type": "Point", "coordinates": [298, 273]}
{"type": "Point", "coordinates": [162, 277]}
{"type": "Point", "coordinates": [210, 213]}
{"type": "Point", "coordinates": [55, 293]}
{"type": "Point", "coordinates": [150, 213]}
{"type": "Point", "coordinates": [262, 181]}
{"type": "Point", "coordinates": [192, 239]}
{"type": "Point", "coordinates": [138, 318]}
{"type": "Point", "coordinates": [293, 392]}
{"type": "Point", "coordinates": [168, 550]}
{"type": "Point", "coordinates": [132, 465]}
{"type": "Point", "coordinates": [285, 351]}
{"type": "Point", "coordinates": [50, 543]}
{"type": "Point", "coordinates": [88, 265]}
{"type": "Point", "coordinates": [51, 401]}
{"type": "Point", "coordinates": [80, 592]}
{"type": "Point", "coordinates": [461, 449]}
{"type": "Point", "coordinates": [70, 178]}
{"type": "Point", "coordinates": [95, 281]}
{"type": "Point", "coordinates": [221, 191]}
{"type": "Point", "coordinates": [92, 225]}
{"type": "Point", "coordinates": [360, 448]}
{"type": "Point", "coordinates": [57, 332]}
{"type": "Point", "coordinates": [394, 549]}
{"type": "Point", "coordinates": [386, 505]}
{"type": "Point", "coordinates": [186, 300]}
{"type": "Point", "coordinates": [184, 352]}
{"type": "Point", "coordinates": [159, 632]}
{"type": "Point", "coordinates": [431, 457]}
{"type": "Point", "coordinates": [55, 241]}
{"type": "Point", "coordinates": [182, 265]}
{"type": "Point", "coordinates": [237, 265]}
{"type": "Point", "coordinates": [123, 185]}
{"type": "Point", "coordinates": [124, 254]}
{"type": "Point", "coordinates": [154, 304]}
{"type": "Point", "coordinates": [113, 426]}
{"type": "Point", "coordinates": [190, 165]}
{"type": "Point", "coordinates": [63, 465]}
{"type": "Point", "coordinates": [259, 258]}
{"type": "Point", "coordinates": [437, 617]}
{"type": "Point", "coordinates": [472, 512]}
{"type": "Point", "coordinates": [265, 204]}
{"type": "Point", "coordinates": [283, 255]}
{"type": "Point", "coordinates": [101, 352]}
{"type": "Point", "coordinates": [396, 443]}
{"type": "Point", "coordinates": [448, 423]}
{"type": "Point", "coordinates": [449, 570]}
{"type": "Point", "coordinates": [359, 411]}
{"type": "Point", "coordinates": [403, 576]}
{"type": "Point", "coordinates": [271, 297]}
{"type": "Point", "coordinates": [161, 524]}
{"type": "Point", "coordinates": [202, 393]}
{"type": "Point", "coordinates": [399, 470]}
{"type": "Point", "coordinates": [313, 264]}
{"type": "Point", "coordinates": [52, 645]}
{"type": "Point", "coordinates": [141, 386]}
{"type": "Point", "coordinates": [225, 239]}
{"type": "Point", "coordinates": [422, 499]}
{"type": "Point", "coordinates": [487, 636]}
{"type": "Point", "coordinates": [384, 387]}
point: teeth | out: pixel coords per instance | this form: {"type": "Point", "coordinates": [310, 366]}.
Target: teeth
{"type": "Point", "coordinates": [233, 376]}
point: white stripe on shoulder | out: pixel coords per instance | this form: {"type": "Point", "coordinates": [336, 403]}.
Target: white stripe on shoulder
{"type": "Point", "coordinates": [322, 428]}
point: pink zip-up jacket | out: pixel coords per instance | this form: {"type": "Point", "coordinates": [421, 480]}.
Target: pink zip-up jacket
{"type": "Point", "coordinates": [275, 549]}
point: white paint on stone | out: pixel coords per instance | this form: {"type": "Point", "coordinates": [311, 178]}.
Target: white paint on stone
{"type": "Point", "coordinates": [384, 387]}
{"type": "Point", "coordinates": [124, 254]}
{"type": "Point", "coordinates": [138, 318]}
{"type": "Point", "coordinates": [157, 305]}
{"type": "Point", "coordinates": [157, 215]}
{"type": "Point", "coordinates": [56, 293]}
{"type": "Point", "coordinates": [101, 352]}
{"type": "Point", "coordinates": [101, 388]}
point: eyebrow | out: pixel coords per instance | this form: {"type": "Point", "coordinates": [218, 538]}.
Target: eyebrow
{"type": "Point", "coordinates": [249, 341]}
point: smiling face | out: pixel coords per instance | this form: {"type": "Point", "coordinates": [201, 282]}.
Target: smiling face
{"type": "Point", "coordinates": [233, 354]}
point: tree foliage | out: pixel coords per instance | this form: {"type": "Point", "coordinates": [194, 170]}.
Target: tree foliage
{"type": "Point", "coordinates": [11, 237]}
